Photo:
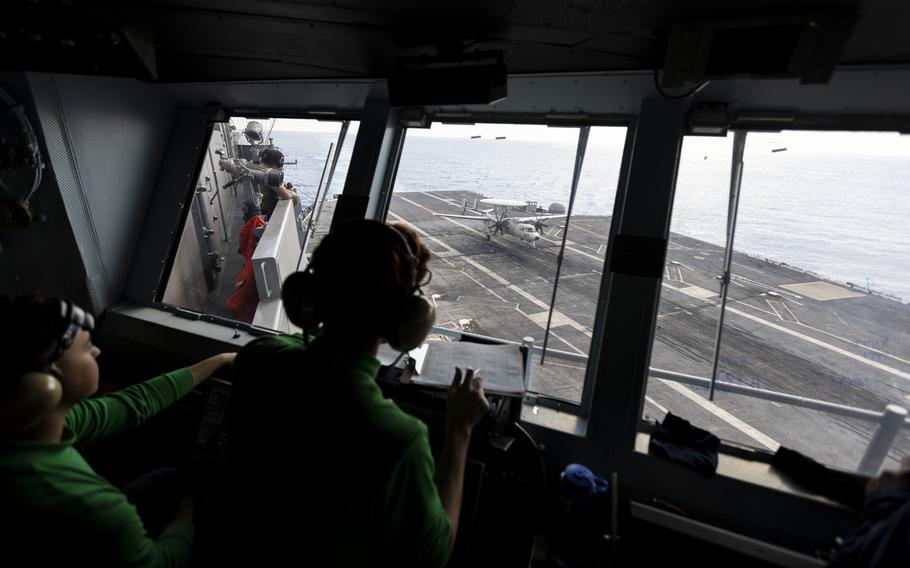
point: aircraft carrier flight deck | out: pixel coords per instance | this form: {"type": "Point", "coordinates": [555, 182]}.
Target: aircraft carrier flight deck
{"type": "Point", "coordinates": [785, 330]}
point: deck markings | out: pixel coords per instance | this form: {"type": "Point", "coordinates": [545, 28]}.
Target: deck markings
{"type": "Point", "coordinates": [793, 317]}
{"type": "Point", "coordinates": [822, 291]}
{"type": "Point", "coordinates": [783, 291]}
{"type": "Point", "coordinates": [743, 427]}
{"type": "Point", "coordinates": [710, 407]}
{"type": "Point", "coordinates": [820, 343]}
{"type": "Point", "coordinates": [573, 249]}
{"type": "Point", "coordinates": [486, 270]}
{"type": "Point", "coordinates": [812, 340]}
{"type": "Point", "coordinates": [783, 313]}
{"type": "Point", "coordinates": [770, 305]}
{"type": "Point", "coordinates": [657, 405]}
{"type": "Point", "coordinates": [580, 274]}
{"type": "Point", "coordinates": [446, 200]}
{"type": "Point", "coordinates": [499, 279]}
{"type": "Point", "coordinates": [589, 231]}
{"type": "Point", "coordinates": [680, 311]}
{"type": "Point", "coordinates": [748, 305]}
{"type": "Point", "coordinates": [855, 344]}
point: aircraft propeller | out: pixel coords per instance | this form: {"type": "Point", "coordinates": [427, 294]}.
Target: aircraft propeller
{"type": "Point", "coordinates": [499, 224]}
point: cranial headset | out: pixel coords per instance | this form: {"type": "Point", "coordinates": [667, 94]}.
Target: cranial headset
{"type": "Point", "coordinates": [414, 315]}
{"type": "Point", "coordinates": [35, 388]}
{"type": "Point", "coordinates": [271, 156]}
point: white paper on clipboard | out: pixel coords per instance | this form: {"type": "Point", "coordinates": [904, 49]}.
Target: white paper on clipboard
{"type": "Point", "coordinates": [500, 365]}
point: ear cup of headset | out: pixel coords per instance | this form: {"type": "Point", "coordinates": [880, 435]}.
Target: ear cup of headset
{"type": "Point", "coordinates": [29, 400]}
{"type": "Point", "coordinates": [417, 317]}
{"type": "Point", "coordinates": [298, 294]}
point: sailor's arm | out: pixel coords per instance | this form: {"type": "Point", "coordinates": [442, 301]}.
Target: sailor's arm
{"type": "Point", "coordinates": [466, 406]}
{"type": "Point", "coordinates": [285, 192]}
{"type": "Point", "coordinates": [99, 418]}
{"type": "Point", "coordinates": [204, 369]}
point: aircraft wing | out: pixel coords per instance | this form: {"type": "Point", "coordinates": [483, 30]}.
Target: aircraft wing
{"type": "Point", "coordinates": [541, 218]}
{"type": "Point", "coordinates": [474, 217]}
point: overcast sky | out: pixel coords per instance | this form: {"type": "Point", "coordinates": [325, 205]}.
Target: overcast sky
{"type": "Point", "coordinates": [839, 143]}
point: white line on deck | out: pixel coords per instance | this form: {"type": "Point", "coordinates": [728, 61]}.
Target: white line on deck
{"type": "Point", "coordinates": [657, 405]}
{"type": "Point", "coordinates": [573, 249]}
{"type": "Point", "coordinates": [531, 298]}
{"type": "Point", "coordinates": [795, 319]}
{"type": "Point", "coordinates": [482, 285]}
{"type": "Point", "coordinates": [746, 429]}
{"type": "Point", "coordinates": [814, 341]}
{"type": "Point", "coordinates": [449, 201]}
{"type": "Point", "coordinates": [578, 226]}
{"type": "Point", "coordinates": [783, 291]}
{"type": "Point", "coordinates": [820, 343]}
{"type": "Point", "coordinates": [556, 313]}
{"type": "Point", "coordinates": [770, 305]}
{"type": "Point", "coordinates": [659, 316]}
{"type": "Point", "coordinates": [580, 274]}
{"type": "Point", "coordinates": [714, 409]}
{"type": "Point", "coordinates": [559, 337]}
{"type": "Point", "coordinates": [854, 343]}
{"type": "Point", "coordinates": [748, 305]}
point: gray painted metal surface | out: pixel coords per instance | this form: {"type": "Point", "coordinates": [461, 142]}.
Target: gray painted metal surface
{"type": "Point", "coordinates": [62, 160]}
{"type": "Point", "coordinates": [632, 301]}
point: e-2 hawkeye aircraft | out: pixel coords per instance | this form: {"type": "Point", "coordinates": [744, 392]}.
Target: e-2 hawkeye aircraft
{"type": "Point", "coordinates": [499, 219]}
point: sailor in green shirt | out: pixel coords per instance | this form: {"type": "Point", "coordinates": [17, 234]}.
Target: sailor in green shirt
{"type": "Point", "coordinates": [325, 471]}
{"type": "Point", "coordinates": [53, 506]}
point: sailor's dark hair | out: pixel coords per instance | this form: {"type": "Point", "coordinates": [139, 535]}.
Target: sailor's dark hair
{"type": "Point", "coordinates": [363, 270]}
{"type": "Point", "coordinates": [32, 326]}
{"type": "Point", "coordinates": [271, 157]}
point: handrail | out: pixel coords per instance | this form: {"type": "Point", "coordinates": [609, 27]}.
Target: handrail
{"type": "Point", "coordinates": [775, 396]}
{"type": "Point", "coordinates": [890, 421]}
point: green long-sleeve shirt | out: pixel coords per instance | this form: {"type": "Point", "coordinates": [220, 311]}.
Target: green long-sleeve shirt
{"type": "Point", "coordinates": [53, 506]}
{"type": "Point", "coordinates": [324, 466]}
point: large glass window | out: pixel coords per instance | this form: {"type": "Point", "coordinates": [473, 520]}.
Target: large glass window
{"type": "Point", "coordinates": [817, 303]}
{"type": "Point", "coordinates": [265, 191]}
{"type": "Point", "coordinates": [491, 202]}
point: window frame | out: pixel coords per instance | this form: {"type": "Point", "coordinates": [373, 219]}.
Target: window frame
{"type": "Point", "coordinates": [831, 125]}
{"type": "Point", "coordinates": [583, 407]}
{"type": "Point", "coordinates": [186, 209]}
{"type": "Point", "coordinates": [758, 121]}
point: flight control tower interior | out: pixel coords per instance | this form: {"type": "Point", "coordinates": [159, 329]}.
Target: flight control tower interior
{"type": "Point", "coordinates": [661, 249]}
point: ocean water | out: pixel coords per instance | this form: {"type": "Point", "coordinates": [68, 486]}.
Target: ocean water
{"type": "Point", "coordinates": [842, 215]}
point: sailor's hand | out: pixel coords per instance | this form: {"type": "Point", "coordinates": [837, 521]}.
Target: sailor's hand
{"type": "Point", "coordinates": [204, 369]}
{"type": "Point", "coordinates": [227, 358]}
{"type": "Point", "coordinates": [890, 479]}
{"type": "Point", "coordinates": [185, 509]}
{"type": "Point", "coordinates": [467, 403]}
